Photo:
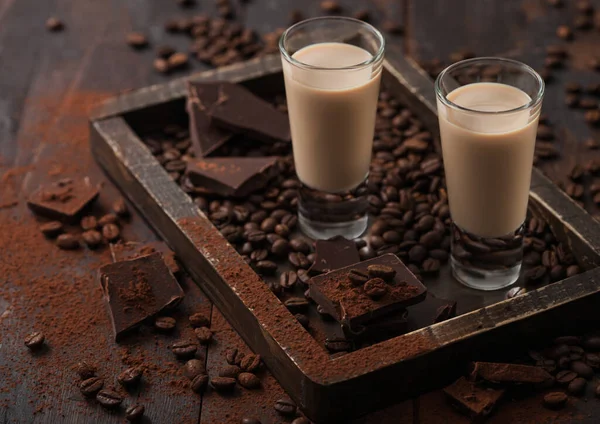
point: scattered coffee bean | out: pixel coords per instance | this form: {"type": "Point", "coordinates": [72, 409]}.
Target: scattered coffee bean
{"type": "Point", "coordinates": [199, 320]}
{"type": "Point", "coordinates": [199, 383]}
{"type": "Point", "coordinates": [204, 335]}
{"type": "Point", "coordinates": [54, 24]}
{"type": "Point", "coordinates": [137, 40]}
{"type": "Point", "coordinates": [555, 400]}
{"type": "Point", "coordinates": [91, 386]}
{"type": "Point", "coordinates": [165, 324]}
{"type": "Point", "coordinates": [109, 398]}
{"type": "Point", "coordinates": [296, 304]}
{"type": "Point", "coordinates": [577, 386]}
{"type": "Point", "coordinates": [222, 384]}
{"type": "Point", "coordinates": [565, 377]}
{"type": "Point", "coordinates": [335, 345]}
{"type": "Point", "coordinates": [358, 277]}
{"type": "Point", "coordinates": [248, 380]}
{"type": "Point", "coordinates": [67, 242]}
{"type": "Point", "coordinates": [230, 371]}
{"type": "Point", "coordinates": [184, 349]}
{"type": "Point", "coordinates": [130, 376]}
{"type": "Point", "coordinates": [564, 32]}
{"type": "Point", "coordinates": [250, 363]}
{"type": "Point", "coordinates": [331, 6]}
{"type": "Point", "coordinates": [285, 407]}
{"type": "Point", "coordinates": [288, 280]}
{"type": "Point", "coordinates": [52, 229]}
{"type": "Point", "coordinates": [35, 340]}
{"type": "Point", "coordinates": [161, 65]}
{"type": "Point", "coordinates": [233, 356]}
{"type": "Point", "coordinates": [251, 421]}
{"type": "Point", "coordinates": [120, 207]}
{"type": "Point", "coordinates": [92, 238]}
{"type": "Point", "coordinates": [386, 273]}
{"type": "Point", "coordinates": [582, 369]}
{"type": "Point", "coordinates": [375, 288]}
{"type": "Point", "coordinates": [111, 232]}
{"type": "Point", "coordinates": [178, 61]}
{"type": "Point", "coordinates": [134, 413]}
{"type": "Point", "coordinates": [193, 367]}
{"type": "Point", "coordinates": [85, 370]}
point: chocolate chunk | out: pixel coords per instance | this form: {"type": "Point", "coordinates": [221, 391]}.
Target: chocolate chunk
{"type": "Point", "coordinates": [240, 111]}
{"type": "Point", "coordinates": [348, 303]}
{"type": "Point", "coordinates": [431, 311]}
{"type": "Point", "coordinates": [232, 176]}
{"type": "Point", "coordinates": [206, 137]}
{"type": "Point", "coordinates": [138, 289]}
{"type": "Point", "coordinates": [335, 253]}
{"type": "Point", "coordinates": [64, 200]}
{"type": "Point", "coordinates": [133, 250]}
{"type": "Point", "coordinates": [378, 330]}
{"type": "Point", "coordinates": [472, 400]}
{"type": "Point", "coordinates": [510, 373]}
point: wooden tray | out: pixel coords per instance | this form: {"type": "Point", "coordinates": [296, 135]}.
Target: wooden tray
{"type": "Point", "coordinates": [369, 378]}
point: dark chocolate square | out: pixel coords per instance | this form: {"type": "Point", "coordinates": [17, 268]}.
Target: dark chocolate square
{"type": "Point", "coordinates": [64, 200]}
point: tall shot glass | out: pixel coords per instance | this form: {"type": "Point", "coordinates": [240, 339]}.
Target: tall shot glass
{"type": "Point", "coordinates": [488, 113]}
{"type": "Point", "coordinates": [332, 69]}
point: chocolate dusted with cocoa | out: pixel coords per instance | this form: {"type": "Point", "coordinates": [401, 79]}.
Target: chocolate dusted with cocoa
{"type": "Point", "coordinates": [351, 304]}
{"type": "Point", "coordinates": [510, 373]}
{"type": "Point", "coordinates": [382, 329]}
{"type": "Point", "coordinates": [137, 290]}
{"type": "Point", "coordinates": [64, 200]}
{"type": "Point", "coordinates": [239, 110]}
{"type": "Point", "coordinates": [334, 253]}
{"type": "Point", "coordinates": [132, 250]}
{"type": "Point", "coordinates": [471, 399]}
{"type": "Point", "coordinates": [205, 136]}
{"type": "Point", "coordinates": [232, 176]}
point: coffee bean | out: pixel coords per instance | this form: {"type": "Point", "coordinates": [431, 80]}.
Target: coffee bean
{"type": "Point", "coordinates": [111, 232]}
{"type": "Point", "coordinates": [535, 275]}
{"type": "Point", "coordinates": [296, 304]}
{"type": "Point", "coordinates": [109, 399]}
{"type": "Point", "coordinates": [164, 51]}
{"type": "Point", "coordinates": [184, 349]}
{"type": "Point", "coordinates": [193, 367]}
{"type": "Point", "coordinates": [222, 384]}
{"type": "Point", "coordinates": [288, 279]}
{"type": "Point", "coordinates": [577, 386]}
{"type": "Point", "coordinates": [366, 252]}
{"type": "Point", "coordinates": [299, 260]}
{"type": "Point", "coordinates": [301, 420]}
{"type": "Point", "coordinates": [384, 272]}
{"type": "Point", "coordinates": [54, 24]}
{"type": "Point", "coordinates": [431, 266]}
{"type": "Point", "coordinates": [303, 276]}
{"type": "Point", "coordinates": [199, 383]}
{"type": "Point", "coordinates": [331, 6]}
{"type": "Point", "coordinates": [592, 117]}
{"type": "Point", "coordinates": [91, 386]}
{"type": "Point", "coordinates": [588, 103]}
{"type": "Point", "coordinates": [417, 253]}
{"type": "Point", "coordinates": [248, 380]}
{"type": "Point", "coordinates": [358, 277]}
{"type": "Point", "coordinates": [250, 363]}
{"type": "Point", "coordinates": [137, 40]}
{"type": "Point", "coordinates": [259, 255]}
{"type": "Point", "coordinates": [178, 60]}
{"type": "Point", "coordinates": [555, 400]}
{"type": "Point", "coordinates": [564, 32]}
{"type": "Point", "coordinates": [280, 247]}
{"type": "Point", "coordinates": [393, 27]}
{"type": "Point", "coordinates": [565, 377]}
{"type": "Point", "coordinates": [134, 413]}
{"type": "Point", "coordinates": [285, 407]}
{"type": "Point", "coordinates": [92, 238]}
{"type": "Point", "coordinates": [203, 334]}
{"type": "Point", "coordinates": [300, 245]}
{"type": "Point", "coordinates": [199, 320]}
{"type": "Point", "coordinates": [88, 223]}
{"type": "Point", "coordinates": [266, 267]}
{"type": "Point", "coordinates": [431, 239]}
{"type": "Point", "coordinates": [251, 421]}
{"type": "Point", "coordinates": [573, 270]}
{"type": "Point", "coordinates": [582, 369]}
{"type": "Point", "coordinates": [67, 242]}
{"type": "Point", "coordinates": [161, 65]}
{"type": "Point", "coordinates": [35, 340]}
{"type": "Point", "coordinates": [165, 324]}
{"type": "Point", "coordinates": [85, 370]}
{"type": "Point", "coordinates": [130, 376]}
{"type": "Point", "coordinates": [375, 288]}
{"type": "Point", "coordinates": [52, 229]}
{"type": "Point", "coordinates": [557, 273]}
{"type": "Point", "coordinates": [230, 371]}
{"type": "Point", "coordinates": [591, 343]}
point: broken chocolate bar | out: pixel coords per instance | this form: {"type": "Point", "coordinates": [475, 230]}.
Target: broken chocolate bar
{"type": "Point", "coordinates": [471, 399]}
{"type": "Point", "coordinates": [335, 253]}
{"type": "Point", "coordinates": [351, 304]}
{"type": "Point", "coordinates": [206, 137]}
{"type": "Point", "coordinates": [123, 251]}
{"type": "Point", "coordinates": [382, 329]}
{"type": "Point", "coordinates": [240, 111]}
{"type": "Point", "coordinates": [232, 176]}
{"type": "Point", "coordinates": [510, 373]}
{"type": "Point", "coordinates": [64, 200]}
{"type": "Point", "coordinates": [138, 289]}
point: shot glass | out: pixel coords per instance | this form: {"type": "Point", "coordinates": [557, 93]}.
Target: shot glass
{"type": "Point", "coordinates": [488, 112]}
{"type": "Point", "coordinates": [332, 70]}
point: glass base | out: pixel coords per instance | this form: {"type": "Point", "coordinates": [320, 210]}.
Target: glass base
{"type": "Point", "coordinates": [324, 215]}
{"type": "Point", "coordinates": [486, 263]}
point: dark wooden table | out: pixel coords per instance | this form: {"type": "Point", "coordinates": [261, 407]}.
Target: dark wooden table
{"type": "Point", "coordinates": [48, 82]}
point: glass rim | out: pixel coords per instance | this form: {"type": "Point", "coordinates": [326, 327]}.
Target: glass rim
{"type": "Point", "coordinates": [535, 100]}
{"type": "Point", "coordinates": [374, 59]}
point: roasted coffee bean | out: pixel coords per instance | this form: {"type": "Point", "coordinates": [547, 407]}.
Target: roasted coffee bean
{"type": "Point", "coordinates": [178, 60]}
{"type": "Point", "coordinates": [573, 270]}
{"type": "Point", "coordinates": [565, 377]}
{"type": "Point", "coordinates": [376, 242]}
{"type": "Point", "coordinates": [161, 65]}
{"type": "Point", "coordinates": [577, 386]}
{"type": "Point", "coordinates": [134, 413]}
{"type": "Point", "coordinates": [199, 320]}
{"type": "Point", "coordinates": [92, 238]}
{"type": "Point", "coordinates": [296, 304]}
{"type": "Point", "coordinates": [335, 345]}
{"type": "Point", "coordinates": [250, 363]}
{"type": "Point", "coordinates": [111, 232]}
{"type": "Point", "coordinates": [165, 324]}
{"type": "Point", "coordinates": [417, 253]}
{"type": "Point", "coordinates": [109, 399]}
{"type": "Point", "coordinates": [248, 381]}
{"type": "Point", "coordinates": [137, 40]}
{"type": "Point", "coordinates": [431, 239]}
{"type": "Point", "coordinates": [384, 272]}
{"type": "Point", "coordinates": [250, 421]}
{"type": "Point", "coordinates": [230, 371]}
{"type": "Point", "coordinates": [222, 384]}
{"type": "Point", "coordinates": [301, 420]}
{"type": "Point", "coordinates": [430, 266]}
{"type": "Point", "coordinates": [358, 277]}
{"type": "Point", "coordinates": [256, 236]}
{"type": "Point", "coordinates": [67, 242]}
{"type": "Point", "coordinates": [91, 386]}
{"type": "Point", "coordinates": [285, 407]}
{"type": "Point", "coordinates": [439, 254]}
{"type": "Point", "coordinates": [593, 360]}
{"type": "Point", "coordinates": [564, 32]}
{"type": "Point", "coordinates": [266, 267]}
{"type": "Point", "coordinates": [259, 255]}
{"type": "Point", "coordinates": [199, 383]}
{"type": "Point", "coordinates": [366, 252]}
{"type": "Point", "coordinates": [303, 276]}
{"type": "Point", "coordinates": [535, 275]}
{"type": "Point", "coordinates": [52, 229]}
{"type": "Point", "coordinates": [164, 51]}
{"type": "Point", "coordinates": [375, 288]}
{"type": "Point", "coordinates": [184, 349]}
{"type": "Point", "coordinates": [549, 259]}
{"type": "Point", "coordinates": [88, 223]}
{"type": "Point", "coordinates": [425, 224]}
{"type": "Point", "coordinates": [299, 260]}
{"type": "Point", "coordinates": [592, 117]}
{"type": "Point", "coordinates": [85, 370]}
{"type": "Point", "coordinates": [35, 340]}
{"type": "Point", "coordinates": [555, 400]}
{"type": "Point", "coordinates": [557, 273]}
{"type": "Point", "coordinates": [130, 376]}
{"type": "Point", "coordinates": [331, 6]}
{"type": "Point", "coordinates": [54, 24]}
{"type": "Point", "coordinates": [193, 367]}
{"type": "Point", "coordinates": [203, 334]}
{"type": "Point", "coordinates": [300, 245]}
{"type": "Point", "coordinates": [109, 218]}
{"type": "Point", "coordinates": [582, 369]}
{"type": "Point", "coordinates": [288, 279]}
{"type": "Point", "coordinates": [268, 225]}
{"type": "Point", "coordinates": [591, 343]}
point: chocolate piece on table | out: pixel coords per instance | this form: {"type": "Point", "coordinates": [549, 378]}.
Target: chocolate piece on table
{"type": "Point", "coordinates": [138, 289]}
{"type": "Point", "coordinates": [232, 176]}
{"type": "Point", "coordinates": [471, 399]}
{"type": "Point", "coordinates": [349, 304]}
{"type": "Point", "coordinates": [133, 250]}
{"type": "Point", "coordinates": [206, 137]}
{"type": "Point", "coordinates": [240, 111]}
{"type": "Point", "coordinates": [510, 373]}
{"type": "Point", "coordinates": [384, 328]}
{"type": "Point", "coordinates": [64, 200]}
{"type": "Point", "coordinates": [431, 311]}
{"type": "Point", "coordinates": [335, 253]}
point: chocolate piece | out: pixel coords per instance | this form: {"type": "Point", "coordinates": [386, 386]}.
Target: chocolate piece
{"type": "Point", "coordinates": [350, 304]}
{"type": "Point", "coordinates": [240, 111]}
{"type": "Point", "coordinates": [472, 400]}
{"type": "Point", "coordinates": [379, 330]}
{"type": "Point", "coordinates": [335, 253]}
{"type": "Point", "coordinates": [510, 373]}
{"type": "Point", "coordinates": [132, 250]}
{"type": "Point", "coordinates": [64, 200]}
{"type": "Point", "coordinates": [431, 311]}
{"type": "Point", "coordinates": [138, 289]}
{"type": "Point", "coordinates": [206, 137]}
{"type": "Point", "coordinates": [232, 176]}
